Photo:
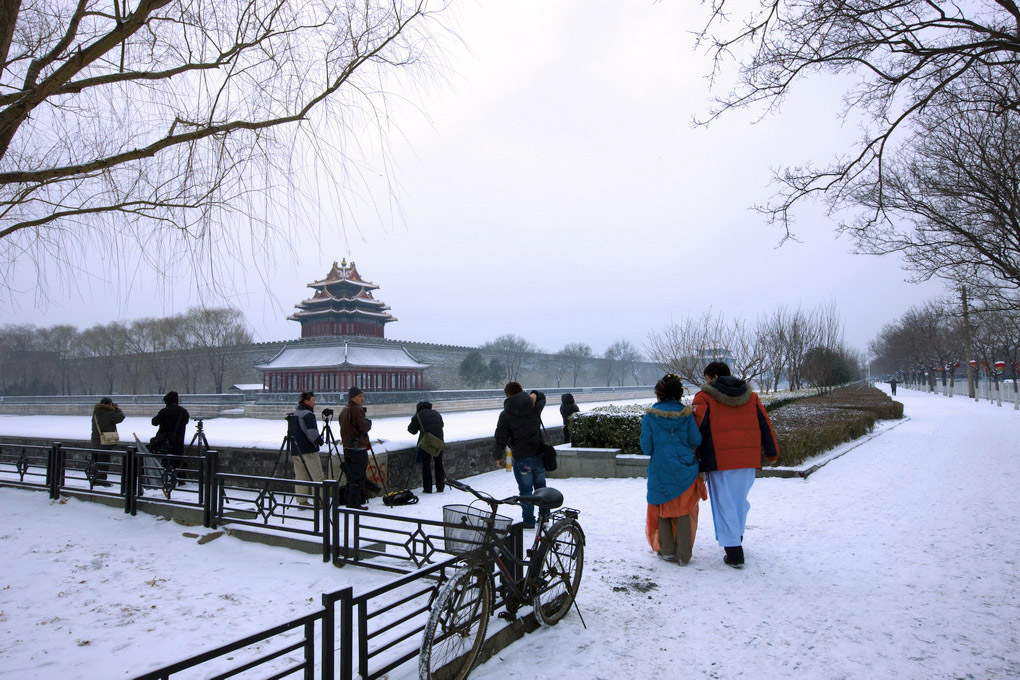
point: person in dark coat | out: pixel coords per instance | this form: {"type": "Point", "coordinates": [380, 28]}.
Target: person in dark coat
{"type": "Point", "coordinates": [172, 421]}
{"type": "Point", "coordinates": [427, 419]}
{"type": "Point", "coordinates": [354, 427]}
{"type": "Point", "coordinates": [105, 416]}
{"type": "Point", "coordinates": [520, 428]}
{"type": "Point", "coordinates": [567, 408]}
{"type": "Point", "coordinates": [303, 429]}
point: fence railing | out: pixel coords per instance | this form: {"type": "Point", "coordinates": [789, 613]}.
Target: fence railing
{"type": "Point", "coordinates": [984, 390]}
{"type": "Point", "coordinates": [374, 631]}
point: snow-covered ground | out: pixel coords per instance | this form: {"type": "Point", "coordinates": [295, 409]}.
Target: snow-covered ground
{"type": "Point", "coordinates": [388, 434]}
{"type": "Point", "coordinates": [897, 560]}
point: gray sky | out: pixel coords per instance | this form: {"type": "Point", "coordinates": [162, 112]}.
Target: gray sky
{"type": "Point", "coordinates": [553, 187]}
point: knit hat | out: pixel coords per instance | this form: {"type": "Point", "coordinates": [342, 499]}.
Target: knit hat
{"type": "Point", "coordinates": [355, 391]}
{"type": "Point", "coordinates": [171, 398]}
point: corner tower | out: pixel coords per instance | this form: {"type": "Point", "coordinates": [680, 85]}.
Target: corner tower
{"type": "Point", "coordinates": [342, 305]}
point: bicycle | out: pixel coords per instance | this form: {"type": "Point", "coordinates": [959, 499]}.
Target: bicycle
{"type": "Point", "coordinates": [461, 609]}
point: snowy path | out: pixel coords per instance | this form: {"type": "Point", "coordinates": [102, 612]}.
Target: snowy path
{"type": "Point", "coordinates": [894, 561]}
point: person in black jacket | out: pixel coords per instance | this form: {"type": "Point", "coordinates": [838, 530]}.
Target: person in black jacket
{"type": "Point", "coordinates": [304, 455]}
{"type": "Point", "coordinates": [172, 421]}
{"type": "Point", "coordinates": [427, 419]}
{"type": "Point", "coordinates": [520, 428]}
{"type": "Point", "coordinates": [567, 408]}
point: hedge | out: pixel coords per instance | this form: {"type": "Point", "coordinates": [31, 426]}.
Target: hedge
{"type": "Point", "coordinates": [806, 423]}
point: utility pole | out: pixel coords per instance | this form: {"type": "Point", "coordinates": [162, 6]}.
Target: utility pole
{"type": "Point", "coordinates": [966, 340]}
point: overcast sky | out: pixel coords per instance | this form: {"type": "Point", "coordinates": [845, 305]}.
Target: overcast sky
{"type": "Point", "coordinates": [553, 186]}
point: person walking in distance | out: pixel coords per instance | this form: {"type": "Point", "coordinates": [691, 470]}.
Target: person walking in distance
{"type": "Point", "coordinates": [105, 416]}
{"type": "Point", "coordinates": [735, 432]}
{"type": "Point", "coordinates": [427, 419]}
{"type": "Point", "coordinates": [354, 428]}
{"type": "Point", "coordinates": [669, 435]}
{"type": "Point", "coordinates": [304, 432]}
{"type": "Point", "coordinates": [520, 427]}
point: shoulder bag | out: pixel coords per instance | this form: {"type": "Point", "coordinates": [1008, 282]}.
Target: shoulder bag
{"type": "Point", "coordinates": [106, 438]}
{"type": "Point", "coordinates": [429, 443]}
{"type": "Point", "coordinates": [548, 453]}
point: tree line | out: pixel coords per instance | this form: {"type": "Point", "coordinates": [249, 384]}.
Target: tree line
{"type": "Point", "coordinates": [803, 346]}
{"type": "Point", "coordinates": [179, 352]}
{"type": "Point", "coordinates": [937, 338]}
{"type": "Point", "coordinates": [618, 364]}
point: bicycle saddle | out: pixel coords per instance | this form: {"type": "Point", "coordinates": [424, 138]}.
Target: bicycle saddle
{"type": "Point", "coordinates": [546, 498]}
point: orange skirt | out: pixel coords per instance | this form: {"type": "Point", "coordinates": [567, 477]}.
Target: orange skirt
{"type": "Point", "coordinates": [684, 504]}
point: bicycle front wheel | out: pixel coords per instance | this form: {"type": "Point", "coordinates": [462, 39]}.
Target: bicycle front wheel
{"type": "Point", "coordinates": [560, 561]}
{"type": "Point", "coordinates": [456, 628]}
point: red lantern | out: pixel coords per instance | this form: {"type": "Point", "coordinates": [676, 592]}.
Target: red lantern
{"type": "Point", "coordinates": [973, 363]}
{"type": "Point", "coordinates": [1000, 367]}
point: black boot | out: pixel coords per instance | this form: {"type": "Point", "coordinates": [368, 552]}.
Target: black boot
{"type": "Point", "coordinates": [734, 556]}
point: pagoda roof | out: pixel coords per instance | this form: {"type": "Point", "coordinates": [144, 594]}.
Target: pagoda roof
{"type": "Point", "coordinates": [343, 273]}
{"type": "Point", "coordinates": [324, 297]}
{"type": "Point", "coordinates": [342, 356]}
{"type": "Point", "coordinates": [352, 311]}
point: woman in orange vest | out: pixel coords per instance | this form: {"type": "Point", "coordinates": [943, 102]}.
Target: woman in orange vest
{"type": "Point", "coordinates": [735, 432]}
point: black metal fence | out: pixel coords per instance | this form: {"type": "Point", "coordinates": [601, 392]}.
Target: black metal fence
{"type": "Point", "coordinates": [372, 632]}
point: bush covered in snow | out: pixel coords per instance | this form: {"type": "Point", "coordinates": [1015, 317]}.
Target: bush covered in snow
{"type": "Point", "coordinates": [608, 427]}
{"type": "Point", "coordinates": [814, 425]}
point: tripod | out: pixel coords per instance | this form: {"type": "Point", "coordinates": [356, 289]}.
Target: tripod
{"type": "Point", "coordinates": [333, 448]}
{"type": "Point", "coordinates": [198, 438]}
{"type": "Point", "coordinates": [288, 448]}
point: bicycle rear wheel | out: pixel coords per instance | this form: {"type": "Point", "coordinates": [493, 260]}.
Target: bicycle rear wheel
{"type": "Point", "coordinates": [560, 562]}
{"type": "Point", "coordinates": [456, 628]}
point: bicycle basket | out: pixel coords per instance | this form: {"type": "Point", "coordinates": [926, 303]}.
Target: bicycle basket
{"type": "Point", "coordinates": [464, 528]}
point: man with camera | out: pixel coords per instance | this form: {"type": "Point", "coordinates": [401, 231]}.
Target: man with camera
{"type": "Point", "coordinates": [304, 432]}
{"type": "Point", "coordinates": [354, 427]}
{"type": "Point", "coordinates": [105, 416]}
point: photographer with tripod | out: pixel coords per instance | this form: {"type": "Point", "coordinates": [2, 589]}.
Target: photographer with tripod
{"type": "Point", "coordinates": [354, 427]}
{"type": "Point", "coordinates": [303, 431]}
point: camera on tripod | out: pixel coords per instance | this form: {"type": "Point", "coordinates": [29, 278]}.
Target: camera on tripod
{"type": "Point", "coordinates": [327, 413]}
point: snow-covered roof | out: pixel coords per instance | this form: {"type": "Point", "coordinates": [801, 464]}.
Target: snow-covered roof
{"type": "Point", "coordinates": [342, 356]}
{"type": "Point", "coordinates": [340, 310]}
{"type": "Point", "coordinates": [248, 387]}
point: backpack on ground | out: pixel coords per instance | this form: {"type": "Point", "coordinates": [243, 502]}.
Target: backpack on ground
{"type": "Point", "coordinates": [402, 497]}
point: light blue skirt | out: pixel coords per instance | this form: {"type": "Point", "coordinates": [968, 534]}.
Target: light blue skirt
{"type": "Point", "coordinates": [727, 491]}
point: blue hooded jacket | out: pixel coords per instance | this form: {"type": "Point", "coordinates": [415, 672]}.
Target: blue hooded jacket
{"type": "Point", "coordinates": [669, 435]}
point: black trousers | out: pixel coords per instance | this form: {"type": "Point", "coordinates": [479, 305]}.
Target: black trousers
{"type": "Point", "coordinates": [427, 462]}
{"type": "Point", "coordinates": [355, 465]}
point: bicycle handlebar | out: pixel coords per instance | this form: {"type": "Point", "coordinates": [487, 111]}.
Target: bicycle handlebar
{"type": "Point", "coordinates": [493, 502]}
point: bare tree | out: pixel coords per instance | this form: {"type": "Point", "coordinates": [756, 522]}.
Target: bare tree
{"type": "Point", "coordinates": [153, 122]}
{"type": "Point", "coordinates": [684, 347]}
{"type": "Point", "coordinates": [904, 53]}
{"type": "Point", "coordinates": [950, 203]}
{"type": "Point", "coordinates": [150, 341]}
{"type": "Point", "coordinates": [575, 355]}
{"type": "Point", "coordinates": [218, 333]}
{"type": "Point", "coordinates": [511, 350]}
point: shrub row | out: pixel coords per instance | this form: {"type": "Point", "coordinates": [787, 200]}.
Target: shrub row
{"type": "Point", "coordinates": [816, 424]}
{"type": "Point", "coordinates": [806, 424]}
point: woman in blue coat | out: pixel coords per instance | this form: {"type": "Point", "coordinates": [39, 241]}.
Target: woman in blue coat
{"type": "Point", "coordinates": [669, 436]}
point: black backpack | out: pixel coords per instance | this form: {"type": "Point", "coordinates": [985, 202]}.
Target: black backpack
{"type": "Point", "coordinates": [402, 497]}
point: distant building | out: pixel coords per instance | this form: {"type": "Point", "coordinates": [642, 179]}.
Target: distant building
{"type": "Point", "coordinates": [342, 305]}
{"type": "Point", "coordinates": [331, 357]}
